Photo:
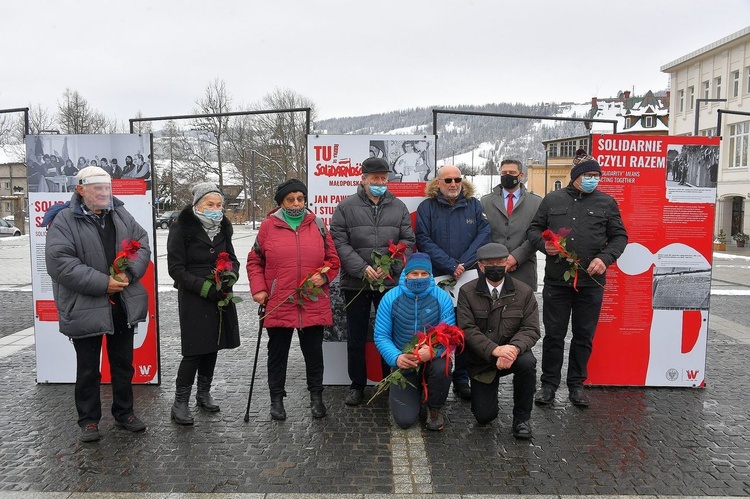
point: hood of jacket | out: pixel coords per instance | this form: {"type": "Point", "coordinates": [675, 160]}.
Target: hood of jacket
{"type": "Point", "coordinates": [432, 190]}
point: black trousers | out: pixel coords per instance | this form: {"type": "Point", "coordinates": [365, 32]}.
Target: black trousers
{"type": "Point", "coordinates": [358, 323]}
{"type": "Point", "coordinates": [559, 305]}
{"type": "Point", "coordinates": [204, 365]}
{"type": "Point", "coordinates": [88, 376]}
{"type": "Point", "coordinates": [405, 402]}
{"type": "Point", "coordinates": [311, 344]}
{"type": "Point", "coordinates": [484, 400]}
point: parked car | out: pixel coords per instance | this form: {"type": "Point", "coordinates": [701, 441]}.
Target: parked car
{"type": "Point", "coordinates": [8, 229]}
{"type": "Point", "coordinates": [164, 220]}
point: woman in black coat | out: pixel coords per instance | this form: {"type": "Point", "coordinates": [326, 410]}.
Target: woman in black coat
{"type": "Point", "coordinates": [196, 239]}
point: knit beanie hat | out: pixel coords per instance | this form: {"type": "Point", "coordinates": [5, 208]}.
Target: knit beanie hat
{"type": "Point", "coordinates": [200, 190]}
{"type": "Point", "coordinates": [418, 261]}
{"type": "Point", "coordinates": [291, 185]}
{"type": "Point", "coordinates": [93, 175]}
{"type": "Point", "coordinates": [583, 163]}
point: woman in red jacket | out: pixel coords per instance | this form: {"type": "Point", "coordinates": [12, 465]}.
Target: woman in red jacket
{"type": "Point", "coordinates": [291, 248]}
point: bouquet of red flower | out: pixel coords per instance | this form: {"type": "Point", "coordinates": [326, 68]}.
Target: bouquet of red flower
{"type": "Point", "coordinates": [450, 338]}
{"type": "Point", "coordinates": [305, 291]}
{"type": "Point", "coordinates": [559, 241]}
{"type": "Point", "coordinates": [385, 262]}
{"type": "Point", "coordinates": [224, 277]}
{"type": "Point", "coordinates": [124, 258]}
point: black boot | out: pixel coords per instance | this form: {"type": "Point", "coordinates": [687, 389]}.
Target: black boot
{"type": "Point", "coordinates": [180, 408]}
{"type": "Point", "coordinates": [277, 407]}
{"type": "Point", "coordinates": [316, 404]}
{"type": "Point", "coordinates": [203, 394]}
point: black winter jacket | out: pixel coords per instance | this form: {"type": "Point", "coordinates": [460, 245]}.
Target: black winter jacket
{"type": "Point", "coordinates": [358, 226]}
{"type": "Point", "coordinates": [597, 232]}
{"type": "Point", "coordinates": [191, 257]}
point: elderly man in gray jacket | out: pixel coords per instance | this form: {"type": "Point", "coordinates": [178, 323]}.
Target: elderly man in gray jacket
{"type": "Point", "coordinates": [83, 240]}
{"type": "Point", "coordinates": [510, 208]}
{"type": "Point", "coordinates": [362, 223]}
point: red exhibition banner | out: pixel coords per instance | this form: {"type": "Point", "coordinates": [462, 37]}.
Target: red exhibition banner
{"type": "Point", "coordinates": [654, 320]}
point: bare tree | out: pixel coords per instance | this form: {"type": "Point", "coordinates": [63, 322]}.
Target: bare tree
{"type": "Point", "coordinates": [142, 126]}
{"type": "Point", "coordinates": [40, 119]}
{"type": "Point", "coordinates": [75, 115]}
{"type": "Point", "coordinates": [214, 101]}
{"type": "Point", "coordinates": [282, 136]}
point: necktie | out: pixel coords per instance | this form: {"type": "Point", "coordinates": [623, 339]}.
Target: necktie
{"type": "Point", "coordinates": [510, 204]}
{"type": "Point", "coordinates": [495, 294]}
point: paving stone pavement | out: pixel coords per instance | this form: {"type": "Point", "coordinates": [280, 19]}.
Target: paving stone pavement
{"type": "Point", "coordinates": [631, 441]}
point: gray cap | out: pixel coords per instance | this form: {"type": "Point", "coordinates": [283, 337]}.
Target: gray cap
{"type": "Point", "coordinates": [490, 251]}
{"type": "Point", "coordinates": [200, 190]}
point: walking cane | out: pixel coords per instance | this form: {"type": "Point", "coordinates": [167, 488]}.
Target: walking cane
{"type": "Point", "coordinates": [261, 313]}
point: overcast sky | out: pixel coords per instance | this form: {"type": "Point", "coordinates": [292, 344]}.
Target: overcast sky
{"type": "Point", "coordinates": [349, 56]}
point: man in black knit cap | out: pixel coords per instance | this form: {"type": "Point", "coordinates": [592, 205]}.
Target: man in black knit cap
{"type": "Point", "coordinates": [593, 229]}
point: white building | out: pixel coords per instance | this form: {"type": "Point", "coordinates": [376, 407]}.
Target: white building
{"type": "Point", "coordinates": [720, 70]}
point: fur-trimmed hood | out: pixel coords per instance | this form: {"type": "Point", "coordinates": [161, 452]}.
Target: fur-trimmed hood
{"type": "Point", "coordinates": [431, 189]}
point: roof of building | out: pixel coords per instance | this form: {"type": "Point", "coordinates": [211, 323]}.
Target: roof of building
{"type": "Point", "coordinates": [711, 46]}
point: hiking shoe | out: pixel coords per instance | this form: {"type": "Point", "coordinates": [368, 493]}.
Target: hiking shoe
{"type": "Point", "coordinates": [463, 390]}
{"type": "Point", "coordinates": [354, 397]}
{"type": "Point", "coordinates": [90, 433]}
{"type": "Point", "coordinates": [131, 423]}
{"type": "Point", "coordinates": [435, 419]}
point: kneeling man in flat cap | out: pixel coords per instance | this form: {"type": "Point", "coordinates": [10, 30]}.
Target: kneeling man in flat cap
{"type": "Point", "coordinates": [500, 318]}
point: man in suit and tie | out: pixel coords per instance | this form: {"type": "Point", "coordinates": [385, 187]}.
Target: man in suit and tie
{"type": "Point", "coordinates": [510, 209]}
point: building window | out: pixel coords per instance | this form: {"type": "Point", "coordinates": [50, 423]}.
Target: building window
{"type": "Point", "coordinates": [648, 122]}
{"type": "Point", "coordinates": [708, 132]}
{"type": "Point", "coordinates": [736, 83]}
{"type": "Point", "coordinates": [584, 144]}
{"type": "Point", "coordinates": [8, 207]}
{"type": "Point", "coordinates": [747, 80]}
{"type": "Point", "coordinates": [738, 144]}
{"type": "Point", "coordinates": [681, 101]}
{"type": "Point", "coordinates": [627, 122]}
{"type": "Point", "coordinates": [552, 150]}
{"type": "Point", "coordinates": [558, 185]}
{"type": "Point", "coordinates": [691, 97]}
{"type": "Point", "coordinates": [717, 87]}
{"type": "Point", "coordinates": [7, 185]}
{"type": "Point", "coordinates": [706, 90]}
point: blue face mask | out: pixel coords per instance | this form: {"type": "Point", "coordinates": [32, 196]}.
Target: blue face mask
{"type": "Point", "coordinates": [589, 184]}
{"type": "Point", "coordinates": [377, 190]}
{"type": "Point", "coordinates": [419, 284]}
{"type": "Point", "coordinates": [215, 215]}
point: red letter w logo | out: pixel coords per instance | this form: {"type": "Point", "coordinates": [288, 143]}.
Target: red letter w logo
{"type": "Point", "coordinates": [692, 373]}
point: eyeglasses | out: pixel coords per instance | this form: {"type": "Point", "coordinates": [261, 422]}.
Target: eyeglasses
{"type": "Point", "coordinates": [451, 180]}
{"type": "Point", "coordinates": [591, 175]}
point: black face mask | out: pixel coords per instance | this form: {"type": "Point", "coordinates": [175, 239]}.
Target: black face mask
{"type": "Point", "coordinates": [494, 273]}
{"type": "Point", "coordinates": [509, 181]}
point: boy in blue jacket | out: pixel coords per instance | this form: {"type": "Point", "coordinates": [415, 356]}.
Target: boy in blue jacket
{"type": "Point", "coordinates": [416, 305]}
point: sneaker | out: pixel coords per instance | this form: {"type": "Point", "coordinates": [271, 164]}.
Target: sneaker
{"type": "Point", "coordinates": [435, 419]}
{"type": "Point", "coordinates": [354, 397]}
{"type": "Point", "coordinates": [131, 423]}
{"type": "Point", "coordinates": [90, 433]}
{"type": "Point", "coordinates": [462, 390]}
